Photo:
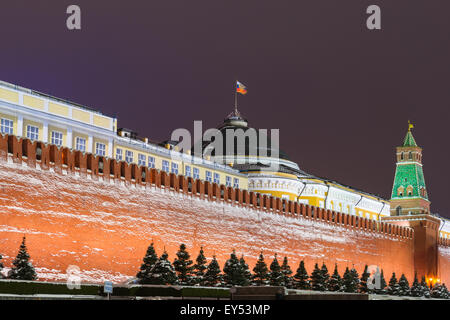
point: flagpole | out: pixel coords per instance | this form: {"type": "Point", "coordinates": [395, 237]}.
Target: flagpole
{"type": "Point", "coordinates": [235, 98]}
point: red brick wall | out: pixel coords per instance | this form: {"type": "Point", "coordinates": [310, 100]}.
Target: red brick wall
{"type": "Point", "coordinates": [104, 223]}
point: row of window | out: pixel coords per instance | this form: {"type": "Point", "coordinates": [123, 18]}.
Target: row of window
{"type": "Point", "coordinates": [173, 167]}
{"type": "Point", "coordinates": [56, 137]}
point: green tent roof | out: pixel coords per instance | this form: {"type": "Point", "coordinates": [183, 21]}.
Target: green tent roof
{"type": "Point", "coordinates": [409, 140]}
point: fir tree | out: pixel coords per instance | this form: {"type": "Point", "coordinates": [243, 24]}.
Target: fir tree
{"type": "Point", "coordinates": [446, 293]}
{"type": "Point", "coordinates": [233, 275]}
{"type": "Point", "coordinates": [301, 278]}
{"type": "Point", "coordinates": [424, 288]}
{"type": "Point", "coordinates": [437, 291]}
{"type": "Point", "coordinates": [212, 276]}
{"type": "Point", "coordinates": [394, 287]}
{"type": "Point", "coordinates": [163, 272]}
{"type": "Point", "coordinates": [199, 268]}
{"type": "Point", "coordinates": [335, 283]}
{"type": "Point", "coordinates": [404, 286]}
{"type": "Point", "coordinates": [363, 283]}
{"type": "Point", "coordinates": [183, 266]}
{"type": "Point", "coordinates": [22, 268]}
{"type": "Point", "coordinates": [260, 272]}
{"type": "Point", "coordinates": [416, 288]}
{"type": "Point", "coordinates": [149, 261]}
{"type": "Point", "coordinates": [317, 280]}
{"type": "Point", "coordinates": [287, 272]}
{"type": "Point", "coordinates": [325, 276]}
{"type": "Point", "coordinates": [350, 280]}
{"type": "Point", "coordinates": [275, 276]}
{"type": "Point", "coordinates": [246, 274]}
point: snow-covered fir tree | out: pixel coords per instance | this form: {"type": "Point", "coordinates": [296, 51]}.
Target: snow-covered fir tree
{"type": "Point", "coordinates": [163, 272]}
{"type": "Point", "coordinates": [199, 268]}
{"type": "Point", "coordinates": [287, 272]}
{"type": "Point", "coordinates": [275, 276]}
{"type": "Point", "coordinates": [317, 280]}
{"type": "Point", "coordinates": [213, 278]}
{"type": "Point", "coordinates": [393, 288]}
{"type": "Point", "coordinates": [260, 272]}
{"type": "Point", "coordinates": [301, 278]}
{"type": "Point", "coordinates": [416, 288]}
{"type": "Point", "coordinates": [350, 280]}
{"type": "Point", "coordinates": [335, 282]}
{"type": "Point", "coordinates": [446, 293]}
{"type": "Point", "coordinates": [404, 286]}
{"type": "Point", "coordinates": [183, 266]}
{"type": "Point", "coordinates": [149, 261]}
{"type": "Point", "coordinates": [363, 282]}
{"type": "Point", "coordinates": [233, 275]}
{"type": "Point", "coordinates": [437, 291]}
{"type": "Point", "coordinates": [22, 267]}
{"type": "Point", "coordinates": [246, 274]}
{"type": "Point", "coordinates": [424, 288]}
{"type": "Point", "coordinates": [325, 275]}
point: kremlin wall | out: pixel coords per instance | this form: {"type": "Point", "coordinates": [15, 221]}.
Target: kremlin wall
{"type": "Point", "coordinates": [88, 194]}
{"type": "Point", "coordinates": [102, 222]}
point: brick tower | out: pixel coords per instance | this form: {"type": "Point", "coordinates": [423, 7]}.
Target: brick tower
{"type": "Point", "coordinates": [409, 193]}
{"type": "Point", "coordinates": [410, 207]}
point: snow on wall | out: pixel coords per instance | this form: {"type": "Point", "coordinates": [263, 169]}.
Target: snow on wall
{"type": "Point", "coordinates": [444, 263]}
{"type": "Point", "coordinates": [105, 228]}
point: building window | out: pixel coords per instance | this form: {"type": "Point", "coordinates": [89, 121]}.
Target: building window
{"type": "Point", "coordinates": [7, 126]}
{"type": "Point", "coordinates": [165, 165]}
{"type": "Point", "coordinates": [32, 133]}
{"type": "Point", "coordinates": [236, 183]}
{"type": "Point", "coordinates": [57, 138]}
{"type": "Point", "coordinates": [196, 173]}
{"type": "Point", "coordinates": [100, 149]}
{"type": "Point", "coordinates": [80, 144]}
{"type": "Point", "coordinates": [208, 176]}
{"type": "Point", "coordinates": [174, 168]}
{"type": "Point", "coordinates": [151, 162]}
{"type": "Point", "coordinates": [216, 178]}
{"type": "Point", "coordinates": [228, 181]}
{"type": "Point", "coordinates": [119, 154]}
{"type": "Point", "coordinates": [188, 171]}
{"type": "Point", "coordinates": [129, 156]}
{"type": "Point", "coordinates": [141, 160]}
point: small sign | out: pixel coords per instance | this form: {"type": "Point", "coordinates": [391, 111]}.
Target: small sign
{"type": "Point", "coordinates": [108, 287]}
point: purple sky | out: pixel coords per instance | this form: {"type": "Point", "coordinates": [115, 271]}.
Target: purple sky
{"type": "Point", "coordinates": [340, 94]}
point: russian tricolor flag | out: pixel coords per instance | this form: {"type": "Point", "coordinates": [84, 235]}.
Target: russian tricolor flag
{"type": "Point", "coordinates": [240, 88]}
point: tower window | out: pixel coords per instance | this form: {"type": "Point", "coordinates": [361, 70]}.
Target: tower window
{"type": "Point", "coordinates": [402, 156]}
{"type": "Point", "coordinates": [410, 156]}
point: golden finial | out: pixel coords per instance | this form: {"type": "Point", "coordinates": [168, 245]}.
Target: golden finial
{"type": "Point", "coordinates": [410, 125]}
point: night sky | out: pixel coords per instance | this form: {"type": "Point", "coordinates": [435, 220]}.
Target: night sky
{"type": "Point", "coordinates": [340, 94]}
